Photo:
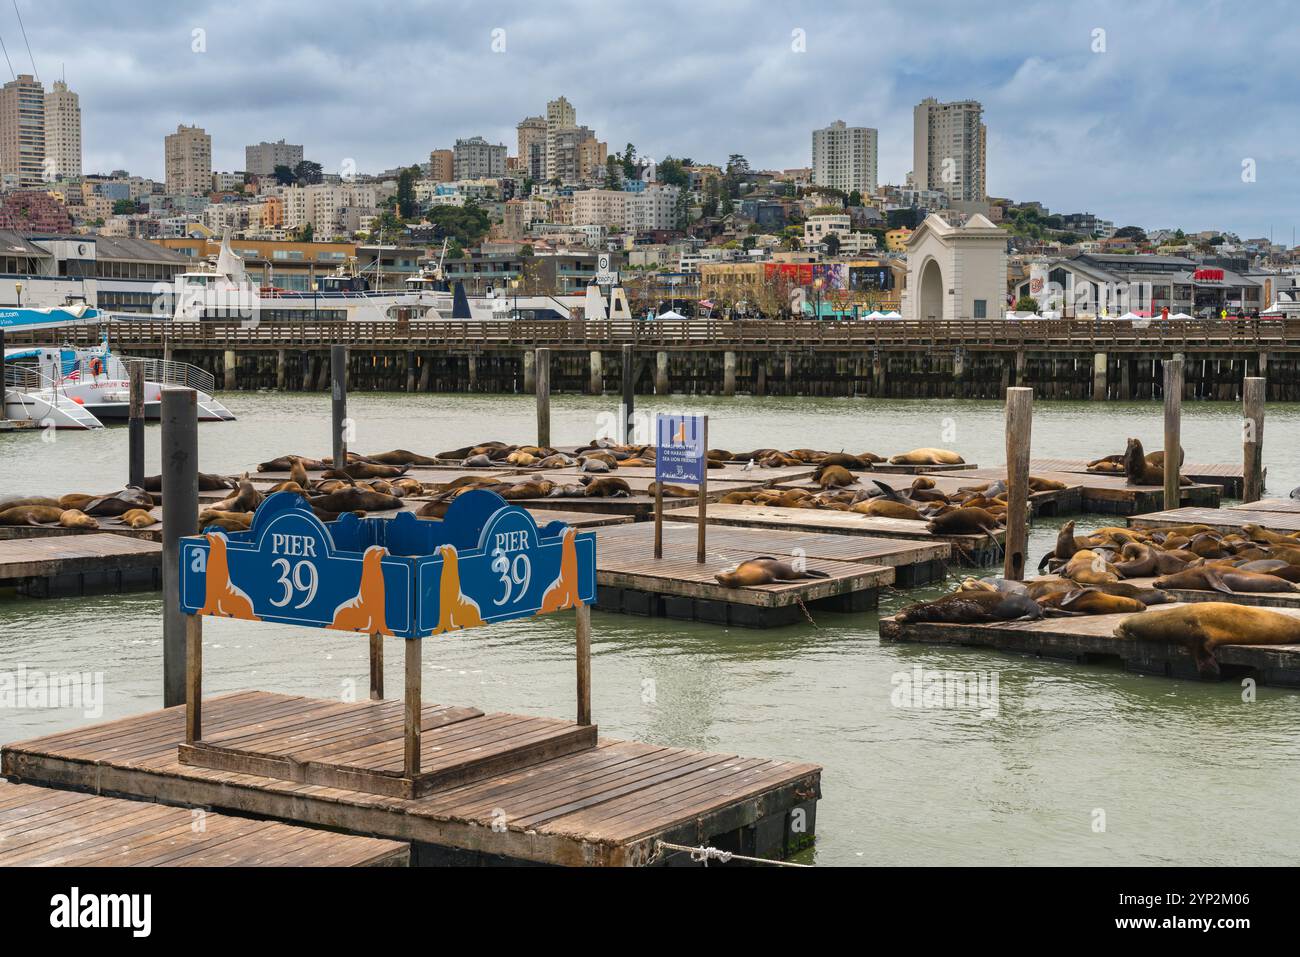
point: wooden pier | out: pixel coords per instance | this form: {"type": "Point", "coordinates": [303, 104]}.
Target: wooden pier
{"type": "Point", "coordinates": [1111, 494]}
{"type": "Point", "coordinates": [976, 550]}
{"type": "Point", "coordinates": [47, 827]}
{"type": "Point", "coordinates": [1220, 519]}
{"type": "Point", "coordinates": [52, 566]}
{"type": "Point", "coordinates": [1230, 478]}
{"type": "Point", "coordinates": [1052, 502]}
{"type": "Point", "coordinates": [1091, 640]}
{"type": "Point", "coordinates": [606, 805]}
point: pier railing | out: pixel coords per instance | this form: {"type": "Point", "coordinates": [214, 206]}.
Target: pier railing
{"type": "Point", "coordinates": [712, 334]}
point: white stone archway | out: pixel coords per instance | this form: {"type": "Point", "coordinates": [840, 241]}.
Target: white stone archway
{"type": "Point", "coordinates": [956, 272]}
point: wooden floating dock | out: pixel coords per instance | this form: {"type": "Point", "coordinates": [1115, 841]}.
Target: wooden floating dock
{"type": "Point", "coordinates": [606, 805]}
{"type": "Point", "coordinates": [640, 505]}
{"type": "Point", "coordinates": [889, 469]}
{"type": "Point", "coordinates": [975, 550]}
{"type": "Point", "coordinates": [1219, 519]}
{"type": "Point", "coordinates": [1286, 505]}
{"type": "Point", "coordinates": [46, 827]}
{"type": "Point", "coordinates": [1091, 640]}
{"type": "Point", "coordinates": [1259, 599]}
{"type": "Point", "coordinates": [631, 580]}
{"type": "Point", "coordinates": [53, 566]}
{"type": "Point", "coordinates": [1066, 501]}
{"type": "Point", "coordinates": [1111, 494]}
{"type": "Point", "coordinates": [1230, 478]}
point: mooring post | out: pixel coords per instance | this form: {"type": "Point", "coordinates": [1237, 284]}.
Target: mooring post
{"type": "Point", "coordinates": [411, 761]}
{"type": "Point", "coordinates": [1173, 429]}
{"type": "Point", "coordinates": [377, 666]}
{"type": "Point", "coordinates": [1252, 436]}
{"type": "Point", "coordinates": [704, 495]}
{"type": "Point", "coordinates": [628, 411]}
{"type": "Point", "coordinates": [596, 373]}
{"type": "Point", "coordinates": [180, 492]}
{"type": "Point", "coordinates": [135, 424]}
{"type": "Point", "coordinates": [661, 373]}
{"type": "Point", "coordinates": [193, 678]}
{"type": "Point", "coordinates": [542, 374]}
{"type": "Point", "coordinates": [659, 519]}
{"type": "Point", "coordinates": [1019, 424]}
{"type": "Point", "coordinates": [583, 613]}
{"type": "Point", "coordinates": [339, 405]}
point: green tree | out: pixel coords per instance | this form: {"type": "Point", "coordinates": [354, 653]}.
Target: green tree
{"type": "Point", "coordinates": [308, 173]}
{"type": "Point", "coordinates": [710, 205]}
{"type": "Point", "coordinates": [306, 233]}
{"type": "Point", "coordinates": [124, 207]}
{"type": "Point", "coordinates": [832, 244]}
{"type": "Point", "coordinates": [737, 170]}
{"type": "Point", "coordinates": [855, 198]}
{"type": "Point", "coordinates": [284, 175]}
{"type": "Point", "coordinates": [1026, 304]}
{"type": "Point", "coordinates": [682, 210]}
{"type": "Point", "coordinates": [629, 162]}
{"type": "Point", "coordinates": [726, 207]}
{"type": "Point", "coordinates": [672, 172]}
{"type": "Point", "coordinates": [611, 173]}
{"type": "Point", "coordinates": [407, 207]}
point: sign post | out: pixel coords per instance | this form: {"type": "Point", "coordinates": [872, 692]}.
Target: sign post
{"type": "Point", "coordinates": [681, 455]}
{"type": "Point", "coordinates": [606, 274]}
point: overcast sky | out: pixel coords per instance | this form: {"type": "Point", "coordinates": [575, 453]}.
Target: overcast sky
{"type": "Point", "coordinates": [1140, 111]}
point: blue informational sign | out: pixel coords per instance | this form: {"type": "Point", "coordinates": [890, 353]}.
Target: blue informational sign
{"type": "Point", "coordinates": [679, 448]}
{"type": "Point", "coordinates": [486, 561]}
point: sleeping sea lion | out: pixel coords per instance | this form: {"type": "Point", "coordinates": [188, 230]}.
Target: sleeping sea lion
{"type": "Point", "coordinates": [594, 466]}
{"type": "Point", "coordinates": [1225, 578]}
{"type": "Point", "coordinates": [230, 521]}
{"type": "Point", "coordinates": [402, 457]}
{"type": "Point", "coordinates": [364, 470]}
{"type": "Point", "coordinates": [74, 518]}
{"type": "Point", "coordinates": [207, 482]}
{"type": "Point", "coordinates": [833, 476]}
{"type": "Point", "coordinates": [928, 457]}
{"type": "Point", "coordinates": [73, 500]}
{"type": "Point", "coordinates": [118, 503]}
{"type": "Point", "coordinates": [970, 607]}
{"type": "Point", "coordinates": [31, 515]}
{"type": "Point", "coordinates": [1090, 601]}
{"type": "Point", "coordinates": [608, 488]}
{"type": "Point", "coordinates": [670, 491]}
{"type": "Point", "coordinates": [138, 518]}
{"type": "Point", "coordinates": [284, 462]}
{"type": "Point", "coordinates": [1203, 626]}
{"type": "Point", "coordinates": [351, 499]}
{"type": "Point", "coordinates": [963, 521]}
{"type": "Point", "coordinates": [885, 508]}
{"type": "Point", "coordinates": [763, 571]}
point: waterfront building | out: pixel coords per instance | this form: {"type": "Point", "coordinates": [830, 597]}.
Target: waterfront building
{"type": "Point", "coordinates": [845, 157]}
{"type": "Point", "coordinates": [949, 143]}
{"type": "Point", "coordinates": [188, 161]}
{"type": "Point", "coordinates": [956, 272]}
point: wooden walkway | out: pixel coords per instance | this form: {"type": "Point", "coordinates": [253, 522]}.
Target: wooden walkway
{"type": "Point", "coordinates": [55, 565]}
{"type": "Point", "coordinates": [607, 805]}
{"type": "Point", "coordinates": [1230, 478]}
{"type": "Point", "coordinates": [1219, 519]}
{"type": "Point", "coordinates": [1111, 494]}
{"type": "Point", "coordinates": [630, 580]}
{"type": "Point", "coordinates": [974, 550]}
{"type": "Point", "coordinates": [1091, 640]}
{"type": "Point", "coordinates": [45, 827]}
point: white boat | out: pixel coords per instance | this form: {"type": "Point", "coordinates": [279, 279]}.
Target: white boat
{"type": "Point", "coordinates": [80, 388]}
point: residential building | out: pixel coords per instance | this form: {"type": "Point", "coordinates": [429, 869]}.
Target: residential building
{"type": "Point", "coordinates": [651, 209]}
{"type": "Point", "coordinates": [227, 182]}
{"type": "Point", "coordinates": [608, 207]}
{"type": "Point", "coordinates": [188, 161]}
{"type": "Point", "coordinates": [262, 158]}
{"type": "Point", "coordinates": [560, 114]}
{"type": "Point", "coordinates": [532, 147]}
{"type": "Point", "coordinates": [817, 228]}
{"type": "Point", "coordinates": [476, 158]}
{"type": "Point", "coordinates": [442, 166]}
{"type": "Point", "coordinates": [62, 133]}
{"type": "Point", "coordinates": [22, 132]}
{"type": "Point", "coordinates": [844, 157]}
{"type": "Point", "coordinates": [35, 211]}
{"type": "Point", "coordinates": [949, 146]}
{"type": "Point", "coordinates": [577, 156]}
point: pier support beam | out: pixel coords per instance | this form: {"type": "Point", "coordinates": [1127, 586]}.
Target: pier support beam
{"type": "Point", "coordinates": [877, 375]}
{"type": "Point", "coordinates": [596, 379]}
{"type": "Point", "coordinates": [1263, 365]}
{"type": "Point", "coordinates": [339, 403]}
{"type": "Point", "coordinates": [135, 424]}
{"type": "Point", "coordinates": [1099, 363]}
{"type": "Point", "coordinates": [410, 371]}
{"type": "Point", "coordinates": [728, 373]}
{"type": "Point", "coordinates": [1019, 378]}
{"type": "Point", "coordinates": [760, 377]}
{"type": "Point", "coordinates": [323, 378]}
{"type": "Point", "coordinates": [628, 408]}
{"type": "Point", "coordinates": [1252, 436]}
{"type": "Point", "coordinates": [281, 372]}
{"type": "Point", "coordinates": [661, 373]}
{"type": "Point", "coordinates": [230, 367]}
{"type": "Point", "coordinates": [426, 371]}
{"type": "Point", "coordinates": [471, 365]}
{"type": "Point", "coordinates": [1019, 424]}
{"type": "Point", "coordinates": [180, 491]}
{"type": "Point", "coordinates": [1173, 429]}
{"type": "Point", "coordinates": [530, 381]}
{"type": "Point", "coordinates": [542, 373]}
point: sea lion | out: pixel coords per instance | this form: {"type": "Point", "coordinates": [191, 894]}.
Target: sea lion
{"type": "Point", "coordinates": [207, 482]}
{"type": "Point", "coordinates": [556, 461]}
{"type": "Point", "coordinates": [963, 521]}
{"type": "Point", "coordinates": [1088, 567]}
{"type": "Point", "coordinates": [73, 500]}
{"type": "Point", "coordinates": [1066, 546]}
{"type": "Point", "coordinates": [364, 470]}
{"type": "Point", "coordinates": [833, 476]}
{"type": "Point", "coordinates": [1225, 578]}
{"type": "Point", "coordinates": [669, 491]}
{"type": "Point", "coordinates": [522, 459]}
{"type": "Point", "coordinates": [118, 503]}
{"type": "Point", "coordinates": [284, 462]}
{"type": "Point", "coordinates": [1090, 601]}
{"type": "Point", "coordinates": [763, 571]}
{"type": "Point", "coordinates": [1143, 561]}
{"type": "Point", "coordinates": [594, 466]}
{"type": "Point", "coordinates": [1140, 471]}
{"type": "Point", "coordinates": [402, 457]}
{"type": "Point", "coordinates": [1203, 626]}
{"type": "Point", "coordinates": [970, 607]}
{"type": "Point", "coordinates": [74, 518]}
{"type": "Point", "coordinates": [245, 500]}
{"type": "Point", "coordinates": [138, 518]}
{"type": "Point", "coordinates": [927, 457]}
{"type": "Point", "coordinates": [608, 488]}
{"type": "Point", "coordinates": [297, 473]}
{"type": "Point", "coordinates": [351, 499]}
{"type": "Point", "coordinates": [885, 508]}
{"type": "Point", "coordinates": [859, 462]}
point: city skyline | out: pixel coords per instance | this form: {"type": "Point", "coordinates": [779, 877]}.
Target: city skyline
{"type": "Point", "coordinates": [1077, 119]}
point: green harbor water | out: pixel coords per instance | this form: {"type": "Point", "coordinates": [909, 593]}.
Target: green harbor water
{"type": "Point", "coordinates": [1068, 764]}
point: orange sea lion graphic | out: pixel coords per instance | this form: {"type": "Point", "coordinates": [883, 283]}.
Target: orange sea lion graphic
{"type": "Point", "coordinates": [455, 611]}
{"type": "Point", "coordinates": [223, 597]}
{"type": "Point", "coordinates": [563, 592]}
{"type": "Point", "coordinates": [366, 611]}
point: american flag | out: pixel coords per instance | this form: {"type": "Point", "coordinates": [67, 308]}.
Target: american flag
{"type": "Point", "coordinates": [74, 375]}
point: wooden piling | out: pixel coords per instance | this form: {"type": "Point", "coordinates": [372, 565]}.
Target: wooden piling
{"type": "Point", "coordinates": [193, 678]}
{"type": "Point", "coordinates": [542, 374]}
{"type": "Point", "coordinates": [596, 374]}
{"type": "Point", "coordinates": [1252, 428]}
{"type": "Point", "coordinates": [230, 364]}
{"type": "Point", "coordinates": [377, 666]}
{"type": "Point", "coordinates": [661, 373]}
{"type": "Point", "coordinates": [135, 424]}
{"type": "Point", "coordinates": [1019, 424]}
{"type": "Point", "coordinates": [583, 616]}
{"type": "Point", "coordinates": [629, 394]}
{"type": "Point", "coordinates": [1173, 429]}
{"type": "Point", "coordinates": [411, 761]}
{"type": "Point", "coordinates": [180, 491]}
{"type": "Point", "coordinates": [339, 402]}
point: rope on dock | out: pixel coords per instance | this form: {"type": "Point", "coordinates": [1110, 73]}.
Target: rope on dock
{"type": "Point", "coordinates": [703, 854]}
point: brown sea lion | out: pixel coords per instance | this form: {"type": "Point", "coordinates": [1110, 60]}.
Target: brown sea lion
{"type": "Point", "coordinates": [1225, 578]}
{"type": "Point", "coordinates": [364, 470]}
{"type": "Point", "coordinates": [927, 457]}
{"type": "Point", "coordinates": [207, 482]}
{"type": "Point", "coordinates": [969, 607]}
{"type": "Point", "coordinates": [1088, 567]}
{"type": "Point", "coordinates": [859, 462]}
{"type": "Point", "coordinates": [352, 499]}
{"type": "Point", "coordinates": [230, 521]}
{"type": "Point", "coordinates": [1140, 471]}
{"type": "Point", "coordinates": [138, 518]}
{"type": "Point", "coordinates": [74, 518]}
{"type": "Point", "coordinates": [833, 476]}
{"type": "Point", "coordinates": [1066, 546]}
{"type": "Point", "coordinates": [298, 473]}
{"type": "Point", "coordinates": [1090, 601]}
{"type": "Point", "coordinates": [608, 488]}
{"type": "Point", "coordinates": [556, 461]}
{"type": "Point", "coordinates": [245, 500]}
{"type": "Point", "coordinates": [73, 500]}
{"type": "Point", "coordinates": [672, 491]}
{"type": "Point", "coordinates": [285, 462]}
{"type": "Point", "coordinates": [402, 457]}
{"type": "Point", "coordinates": [117, 503]}
{"type": "Point", "coordinates": [1144, 561]}
{"type": "Point", "coordinates": [1202, 627]}
{"type": "Point", "coordinates": [31, 515]}
{"type": "Point", "coordinates": [885, 508]}
{"type": "Point", "coordinates": [522, 459]}
{"type": "Point", "coordinates": [963, 521]}
{"type": "Point", "coordinates": [763, 571]}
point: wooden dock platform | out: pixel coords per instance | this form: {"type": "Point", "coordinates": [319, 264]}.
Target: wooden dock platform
{"type": "Point", "coordinates": [974, 550]}
{"type": "Point", "coordinates": [1268, 505]}
{"type": "Point", "coordinates": [921, 469]}
{"type": "Point", "coordinates": [51, 566]}
{"type": "Point", "coordinates": [1219, 519]}
{"type": "Point", "coordinates": [1091, 640]}
{"type": "Point", "coordinates": [1229, 477]}
{"type": "Point", "coordinates": [1053, 502]}
{"type": "Point", "coordinates": [606, 805]}
{"type": "Point", "coordinates": [640, 505]}
{"type": "Point", "coordinates": [1258, 599]}
{"type": "Point", "coordinates": [1111, 494]}
{"type": "Point", "coordinates": [47, 827]}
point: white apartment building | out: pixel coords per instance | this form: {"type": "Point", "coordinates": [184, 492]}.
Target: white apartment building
{"type": "Point", "coordinates": [188, 161]}
{"type": "Point", "coordinates": [476, 158]}
{"type": "Point", "coordinates": [261, 159]}
{"type": "Point", "coordinates": [560, 115]}
{"type": "Point", "coordinates": [227, 182]}
{"type": "Point", "coordinates": [531, 146]}
{"type": "Point", "coordinates": [949, 146]}
{"type": "Point", "coordinates": [845, 157]}
{"type": "Point", "coordinates": [605, 207]}
{"type": "Point", "coordinates": [62, 132]}
{"type": "Point", "coordinates": [653, 208]}
{"type": "Point", "coordinates": [817, 228]}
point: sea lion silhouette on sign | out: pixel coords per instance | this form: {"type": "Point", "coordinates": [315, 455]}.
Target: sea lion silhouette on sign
{"type": "Point", "coordinates": [455, 610]}
{"type": "Point", "coordinates": [563, 592]}
{"type": "Point", "coordinates": [223, 597]}
{"type": "Point", "coordinates": [365, 612]}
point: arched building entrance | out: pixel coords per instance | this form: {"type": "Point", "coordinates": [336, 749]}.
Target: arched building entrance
{"type": "Point", "coordinates": [929, 294]}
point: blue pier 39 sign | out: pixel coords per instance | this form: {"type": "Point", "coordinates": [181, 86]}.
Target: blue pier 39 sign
{"type": "Point", "coordinates": [679, 448]}
{"type": "Point", "coordinates": [487, 561]}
